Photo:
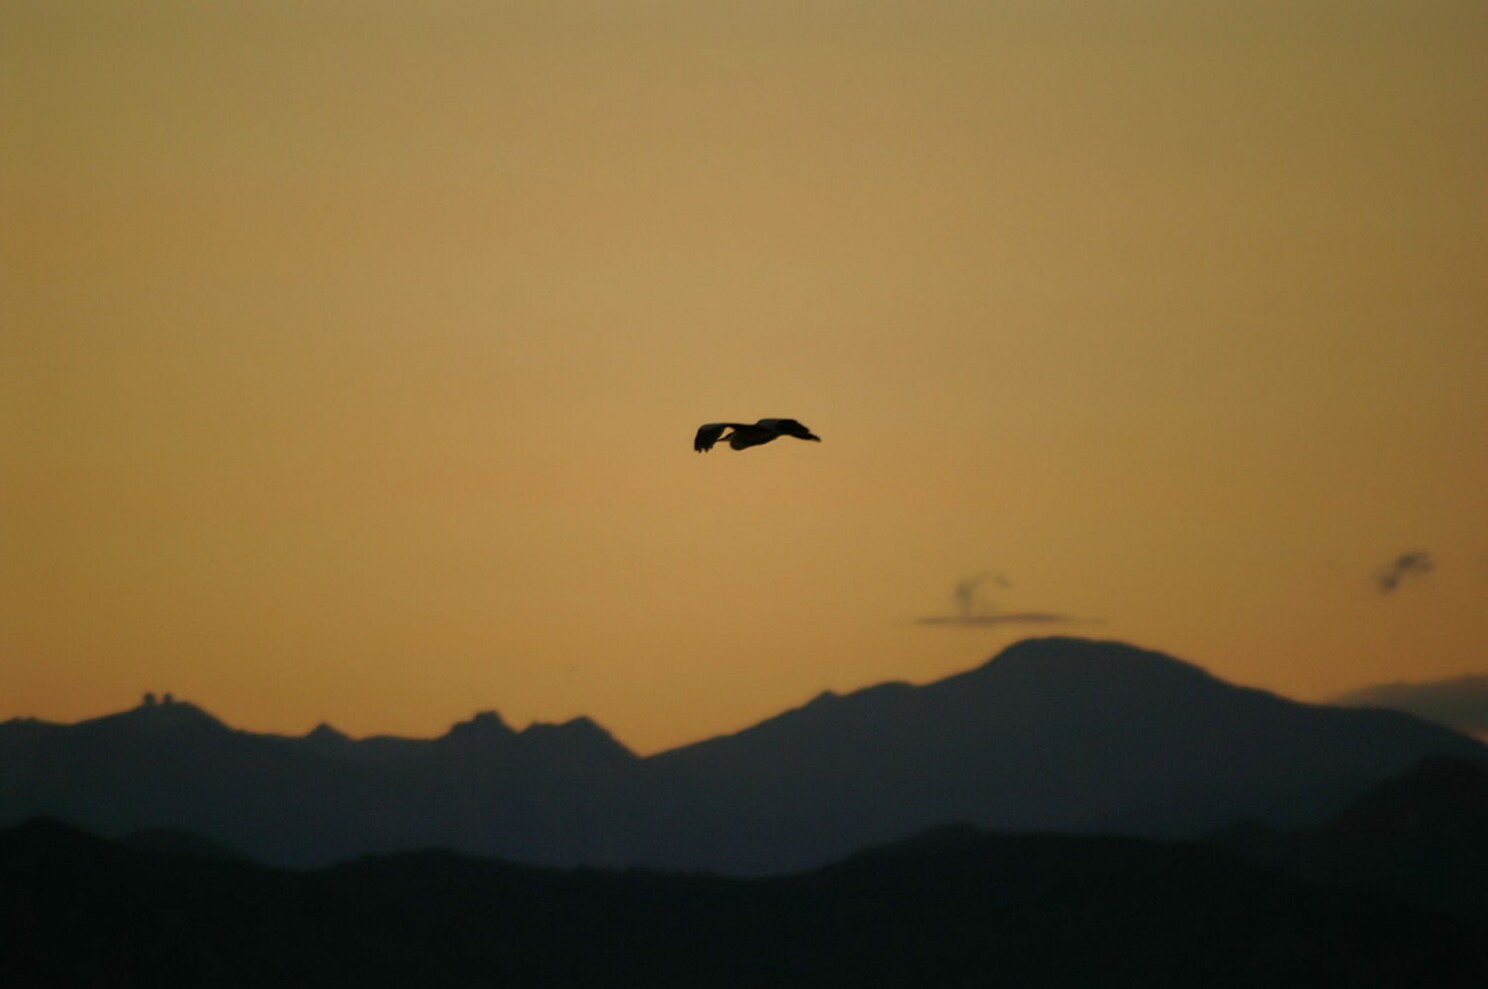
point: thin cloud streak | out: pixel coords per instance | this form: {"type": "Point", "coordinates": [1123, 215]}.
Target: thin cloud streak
{"type": "Point", "coordinates": [1011, 618]}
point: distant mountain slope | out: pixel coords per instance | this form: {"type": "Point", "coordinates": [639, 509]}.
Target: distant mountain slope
{"type": "Point", "coordinates": [951, 908]}
{"type": "Point", "coordinates": [1459, 702]}
{"type": "Point", "coordinates": [320, 798]}
{"type": "Point", "coordinates": [1052, 735]}
{"type": "Point", "coordinates": [1063, 735]}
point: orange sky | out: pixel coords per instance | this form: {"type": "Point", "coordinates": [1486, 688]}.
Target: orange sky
{"type": "Point", "coordinates": [350, 353]}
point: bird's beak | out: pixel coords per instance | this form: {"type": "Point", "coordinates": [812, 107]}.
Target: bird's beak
{"type": "Point", "coordinates": [812, 436]}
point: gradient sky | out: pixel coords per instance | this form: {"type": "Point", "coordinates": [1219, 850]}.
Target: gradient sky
{"type": "Point", "coordinates": [350, 353]}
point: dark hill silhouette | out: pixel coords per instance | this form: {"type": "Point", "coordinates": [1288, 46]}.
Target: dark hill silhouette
{"type": "Point", "coordinates": [953, 907]}
{"type": "Point", "coordinates": [167, 841]}
{"type": "Point", "coordinates": [1422, 836]}
{"type": "Point", "coordinates": [1063, 735]}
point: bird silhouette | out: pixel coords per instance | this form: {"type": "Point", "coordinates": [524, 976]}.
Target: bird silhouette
{"type": "Point", "coordinates": [745, 435]}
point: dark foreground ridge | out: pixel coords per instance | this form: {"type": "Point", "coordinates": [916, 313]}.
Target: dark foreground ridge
{"type": "Point", "coordinates": [953, 907]}
{"type": "Point", "coordinates": [1052, 735]}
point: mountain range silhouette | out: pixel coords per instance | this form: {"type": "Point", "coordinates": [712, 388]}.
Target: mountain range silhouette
{"type": "Point", "coordinates": [1054, 735]}
{"type": "Point", "coordinates": [1388, 892]}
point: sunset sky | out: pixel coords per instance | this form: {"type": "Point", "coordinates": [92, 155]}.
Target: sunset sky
{"type": "Point", "coordinates": [350, 353]}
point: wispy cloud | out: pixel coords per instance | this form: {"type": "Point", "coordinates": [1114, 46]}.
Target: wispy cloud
{"type": "Point", "coordinates": [976, 610]}
{"type": "Point", "coordinates": [1406, 565]}
{"type": "Point", "coordinates": [968, 593]}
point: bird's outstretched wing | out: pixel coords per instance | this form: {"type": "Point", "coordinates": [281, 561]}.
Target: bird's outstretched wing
{"type": "Point", "coordinates": [708, 434]}
{"type": "Point", "coordinates": [788, 427]}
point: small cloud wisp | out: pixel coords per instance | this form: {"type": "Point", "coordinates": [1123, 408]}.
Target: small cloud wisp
{"type": "Point", "coordinates": [1416, 564]}
{"type": "Point", "coordinates": [974, 610]}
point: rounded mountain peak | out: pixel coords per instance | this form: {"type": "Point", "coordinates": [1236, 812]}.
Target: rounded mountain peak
{"type": "Point", "coordinates": [1058, 656]}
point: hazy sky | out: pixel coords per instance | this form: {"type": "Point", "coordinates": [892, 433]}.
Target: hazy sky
{"type": "Point", "coordinates": [350, 353]}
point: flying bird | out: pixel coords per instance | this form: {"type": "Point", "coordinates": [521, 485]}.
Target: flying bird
{"type": "Point", "coordinates": [745, 435]}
